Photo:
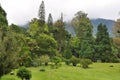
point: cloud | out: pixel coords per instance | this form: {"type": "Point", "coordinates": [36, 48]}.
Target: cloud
{"type": "Point", "coordinates": [22, 11]}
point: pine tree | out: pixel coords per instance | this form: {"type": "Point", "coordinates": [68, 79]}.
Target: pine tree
{"type": "Point", "coordinates": [50, 20]}
{"type": "Point", "coordinates": [103, 45]}
{"type": "Point", "coordinates": [41, 13]}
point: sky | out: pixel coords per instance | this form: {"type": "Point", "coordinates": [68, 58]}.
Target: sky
{"type": "Point", "coordinates": [22, 11]}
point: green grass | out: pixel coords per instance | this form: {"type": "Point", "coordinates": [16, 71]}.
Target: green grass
{"type": "Point", "coordinates": [97, 71]}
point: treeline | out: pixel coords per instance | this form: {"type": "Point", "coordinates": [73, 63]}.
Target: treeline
{"type": "Point", "coordinates": [47, 41]}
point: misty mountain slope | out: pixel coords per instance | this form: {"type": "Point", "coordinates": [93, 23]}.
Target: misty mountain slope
{"type": "Point", "coordinates": [108, 23]}
{"type": "Point", "coordinates": [95, 22]}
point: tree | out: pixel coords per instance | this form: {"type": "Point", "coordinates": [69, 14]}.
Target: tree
{"type": "Point", "coordinates": [3, 19]}
{"type": "Point", "coordinates": [46, 45]}
{"type": "Point", "coordinates": [103, 45]}
{"type": "Point", "coordinates": [36, 27]}
{"type": "Point", "coordinates": [8, 53]}
{"type": "Point", "coordinates": [8, 46]}
{"type": "Point", "coordinates": [56, 60]}
{"type": "Point", "coordinates": [82, 24]}
{"type": "Point", "coordinates": [116, 28]}
{"type": "Point", "coordinates": [75, 46]}
{"type": "Point", "coordinates": [23, 73]}
{"type": "Point", "coordinates": [74, 60]}
{"type": "Point", "coordinates": [44, 59]}
{"type": "Point", "coordinates": [67, 54]}
{"type": "Point", "coordinates": [41, 13]}
{"type": "Point", "coordinates": [18, 29]}
{"type": "Point", "coordinates": [50, 21]}
{"type": "Point", "coordinates": [60, 34]}
{"type": "Point", "coordinates": [116, 39]}
{"type": "Point", "coordinates": [83, 27]}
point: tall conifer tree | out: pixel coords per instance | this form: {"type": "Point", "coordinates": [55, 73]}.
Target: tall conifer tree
{"type": "Point", "coordinates": [41, 13]}
{"type": "Point", "coordinates": [50, 20]}
{"type": "Point", "coordinates": [103, 45]}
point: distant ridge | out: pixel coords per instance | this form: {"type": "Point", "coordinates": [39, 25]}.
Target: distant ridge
{"type": "Point", "coordinates": [107, 22]}
{"type": "Point", "coordinates": [95, 22]}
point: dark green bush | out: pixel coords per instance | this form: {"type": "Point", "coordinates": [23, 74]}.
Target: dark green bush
{"type": "Point", "coordinates": [42, 70]}
{"type": "Point", "coordinates": [74, 60]}
{"type": "Point", "coordinates": [111, 66]}
{"type": "Point", "coordinates": [67, 62]}
{"type": "Point", "coordinates": [23, 73]}
{"type": "Point", "coordinates": [85, 63]}
{"type": "Point", "coordinates": [56, 62]}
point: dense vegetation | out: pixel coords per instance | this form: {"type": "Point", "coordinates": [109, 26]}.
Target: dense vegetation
{"type": "Point", "coordinates": [43, 42]}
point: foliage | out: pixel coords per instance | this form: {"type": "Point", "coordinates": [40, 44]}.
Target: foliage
{"type": "Point", "coordinates": [42, 70]}
{"type": "Point", "coordinates": [36, 28]}
{"type": "Point", "coordinates": [8, 53]}
{"type": "Point", "coordinates": [46, 45]}
{"type": "Point", "coordinates": [67, 61]}
{"type": "Point", "coordinates": [116, 28]}
{"type": "Point", "coordinates": [87, 50]}
{"type": "Point", "coordinates": [75, 46]}
{"type": "Point", "coordinates": [25, 60]}
{"type": "Point", "coordinates": [103, 44]}
{"type": "Point", "coordinates": [50, 21]}
{"type": "Point", "coordinates": [85, 63]}
{"type": "Point", "coordinates": [8, 46]}
{"type": "Point", "coordinates": [41, 13]}
{"type": "Point", "coordinates": [44, 59]}
{"type": "Point", "coordinates": [17, 29]}
{"type": "Point", "coordinates": [67, 54]}
{"type": "Point", "coordinates": [83, 28]}
{"type": "Point", "coordinates": [74, 60]}
{"type": "Point", "coordinates": [82, 25]}
{"type": "Point", "coordinates": [56, 60]}
{"type": "Point", "coordinates": [23, 73]}
{"type": "Point", "coordinates": [3, 19]}
{"type": "Point", "coordinates": [60, 34]}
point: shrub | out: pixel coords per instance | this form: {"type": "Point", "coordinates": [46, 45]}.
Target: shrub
{"type": "Point", "coordinates": [67, 62]}
{"type": "Point", "coordinates": [23, 73]}
{"type": "Point", "coordinates": [44, 59]}
{"type": "Point", "coordinates": [85, 62]}
{"type": "Point", "coordinates": [67, 54]}
{"type": "Point", "coordinates": [111, 66]}
{"type": "Point", "coordinates": [74, 60]}
{"type": "Point", "coordinates": [42, 70]}
{"type": "Point", "coordinates": [56, 60]}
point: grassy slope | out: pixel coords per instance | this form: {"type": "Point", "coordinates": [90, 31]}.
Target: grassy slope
{"type": "Point", "coordinates": [97, 71]}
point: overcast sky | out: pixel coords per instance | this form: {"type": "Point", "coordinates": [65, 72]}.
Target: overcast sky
{"type": "Point", "coordinates": [22, 11]}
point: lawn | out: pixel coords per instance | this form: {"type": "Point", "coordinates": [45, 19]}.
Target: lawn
{"type": "Point", "coordinates": [97, 71]}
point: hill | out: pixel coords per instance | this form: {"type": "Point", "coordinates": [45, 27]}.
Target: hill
{"type": "Point", "coordinates": [95, 22]}
{"type": "Point", "coordinates": [107, 22]}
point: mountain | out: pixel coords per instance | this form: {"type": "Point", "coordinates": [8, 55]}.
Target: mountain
{"type": "Point", "coordinates": [107, 22]}
{"type": "Point", "coordinates": [95, 22]}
